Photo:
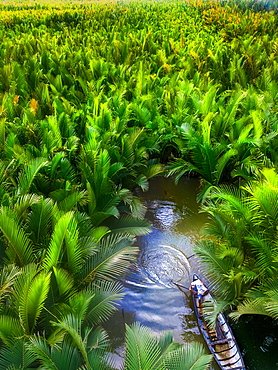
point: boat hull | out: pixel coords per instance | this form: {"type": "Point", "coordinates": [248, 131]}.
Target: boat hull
{"type": "Point", "coordinates": [220, 339]}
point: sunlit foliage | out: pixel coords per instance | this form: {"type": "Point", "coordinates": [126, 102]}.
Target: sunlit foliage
{"type": "Point", "coordinates": [92, 105]}
{"type": "Point", "coordinates": [95, 99]}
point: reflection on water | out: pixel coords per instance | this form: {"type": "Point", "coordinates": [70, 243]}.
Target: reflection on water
{"type": "Point", "coordinates": [166, 257]}
{"type": "Point", "coordinates": [164, 213]}
{"type": "Point", "coordinates": [150, 293]}
{"type": "Point", "coordinates": [164, 264]}
{"type": "Point", "coordinates": [173, 208]}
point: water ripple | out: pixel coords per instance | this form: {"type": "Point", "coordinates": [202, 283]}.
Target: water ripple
{"type": "Point", "coordinates": [165, 265]}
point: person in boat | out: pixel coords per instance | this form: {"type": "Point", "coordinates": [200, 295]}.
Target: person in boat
{"type": "Point", "coordinates": [197, 287]}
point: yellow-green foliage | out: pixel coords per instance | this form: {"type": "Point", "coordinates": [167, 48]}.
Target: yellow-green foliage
{"type": "Point", "coordinates": [178, 70]}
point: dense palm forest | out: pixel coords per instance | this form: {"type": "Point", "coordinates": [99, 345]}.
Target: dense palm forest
{"type": "Point", "coordinates": [96, 99]}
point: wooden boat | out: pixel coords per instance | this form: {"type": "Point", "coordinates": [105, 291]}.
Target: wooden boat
{"type": "Point", "coordinates": [220, 340]}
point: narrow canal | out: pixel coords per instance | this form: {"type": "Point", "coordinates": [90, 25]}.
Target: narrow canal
{"type": "Point", "coordinates": [166, 256]}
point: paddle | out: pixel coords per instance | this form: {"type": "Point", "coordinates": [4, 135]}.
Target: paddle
{"type": "Point", "coordinates": [179, 285]}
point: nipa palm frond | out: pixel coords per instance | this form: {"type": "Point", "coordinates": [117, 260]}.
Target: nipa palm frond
{"type": "Point", "coordinates": [80, 303]}
{"type": "Point", "coordinates": [73, 199]}
{"type": "Point", "coordinates": [142, 349]}
{"type": "Point", "coordinates": [53, 255]}
{"type": "Point", "coordinates": [17, 356]}
{"type": "Point", "coordinates": [31, 298]}
{"type": "Point", "coordinates": [10, 328]}
{"type": "Point", "coordinates": [28, 174]}
{"type": "Point", "coordinates": [111, 261]}
{"type": "Point", "coordinates": [73, 251]}
{"type": "Point", "coordinates": [39, 220]}
{"type": "Point", "coordinates": [264, 252]}
{"type": "Point", "coordinates": [54, 358]}
{"type": "Point", "coordinates": [24, 202]}
{"type": "Point", "coordinates": [20, 248]}
{"type": "Point", "coordinates": [180, 168]}
{"type": "Point", "coordinates": [129, 225]}
{"type": "Point", "coordinates": [64, 282]}
{"type": "Point", "coordinates": [104, 300]}
{"type": "Point", "coordinates": [251, 307]}
{"type": "Point", "coordinates": [8, 276]}
{"type": "Point", "coordinates": [189, 357]}
{"type": "Point", "coordinates": [71, 325]}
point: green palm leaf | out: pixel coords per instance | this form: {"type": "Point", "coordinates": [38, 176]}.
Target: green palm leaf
{"type": "Point", "coordinates": [66, 357]}
{"type": "Point", "coordinates": [267, 199]}
{"type": "Point", "coordinates": [115, 171]}
{"type": "Point", "coordinates": [223, 268]}
{"type": "Point", "coordinates": [80, 302]}
{"type": "Point", "coordinates": [24, 202]}
{"type": "Point", "coordinates": [99, 232]}
{"type": "Point", "coordinates": [166, 341]}
{"type": "Point", "coordinates": [92, 201]}
{"type": "Point", "coordinates": [40, 349]}
{"type": "Point", "coordinates": [271, 176]}
{"type": "Point", "coordinates": [98, 339]}
{"type": "Point", "coordinates": [64, 281]}
{"type": "Point", "coordinates": [217, 227]}
{"type": "Point", "coordinates": [55, 162]}
{"type": "Point", "coordinates": [16, 356]}
{"type": "Point", "coordinates": [54, 358]}
{"type": "Point", "coordinates": [53, 255]}
{"type": "Point", "coordinates": [129, 225]}
{"type": "Point", "coordinates": [111, 261]}
{"type": "Point", "coordinates": [9, 328]}
{"type": "Point", "coordinates": [153, 169]}
{"type": "Point", "coordinates": [143, 182]}
{"type": "Point", "coordinates": [39, 220]}
{"type": "Point", "coordinates": [28, 174]}
{"type": "Point", "coordinates": [189, 357]}
{"type": "Point", "coordinates": [32, 296]}
{"type": "Point", "coordinates": [138, 210]}
{"type": "Point", "coordinates": [179, 168]}
{"type": "Point", "coordinates": [223, 162]}
{"type": "Point", "coordinates": [251, 307]}
{"type": "Point", "coordinates": [72, 200]}
{"type": "Point", "coordinates": [3, 179]}
{"type": "Point", "coordinates": [205, 158]}
{"type": "Point", "coordinates": [20, 249]}
{"type": "Point", "coordinates": [2, 130]}
{"type": "Point", "coordinates": [142, 349]}
{"type": "Point", "coordinates": [103, 302]}
{"type": "Point", "coordinates": [264, 255]}
{"type": "Point", "coordinates": [103, 207]}
{"type": "Point", "coordinates": [72, 248]}
{"type": "Point", "coordinates": [8, 275]}
{"type": "Point", "coordinates": [261, 300]}
{"type": "Point", "coordinates": [233, 199]}
{"type": "Point", "coordinates": [100, 360]}
{"type": "Point", "coordinates": [272, 308]}
{"type": "Point", "coordinates": [71, 325]}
